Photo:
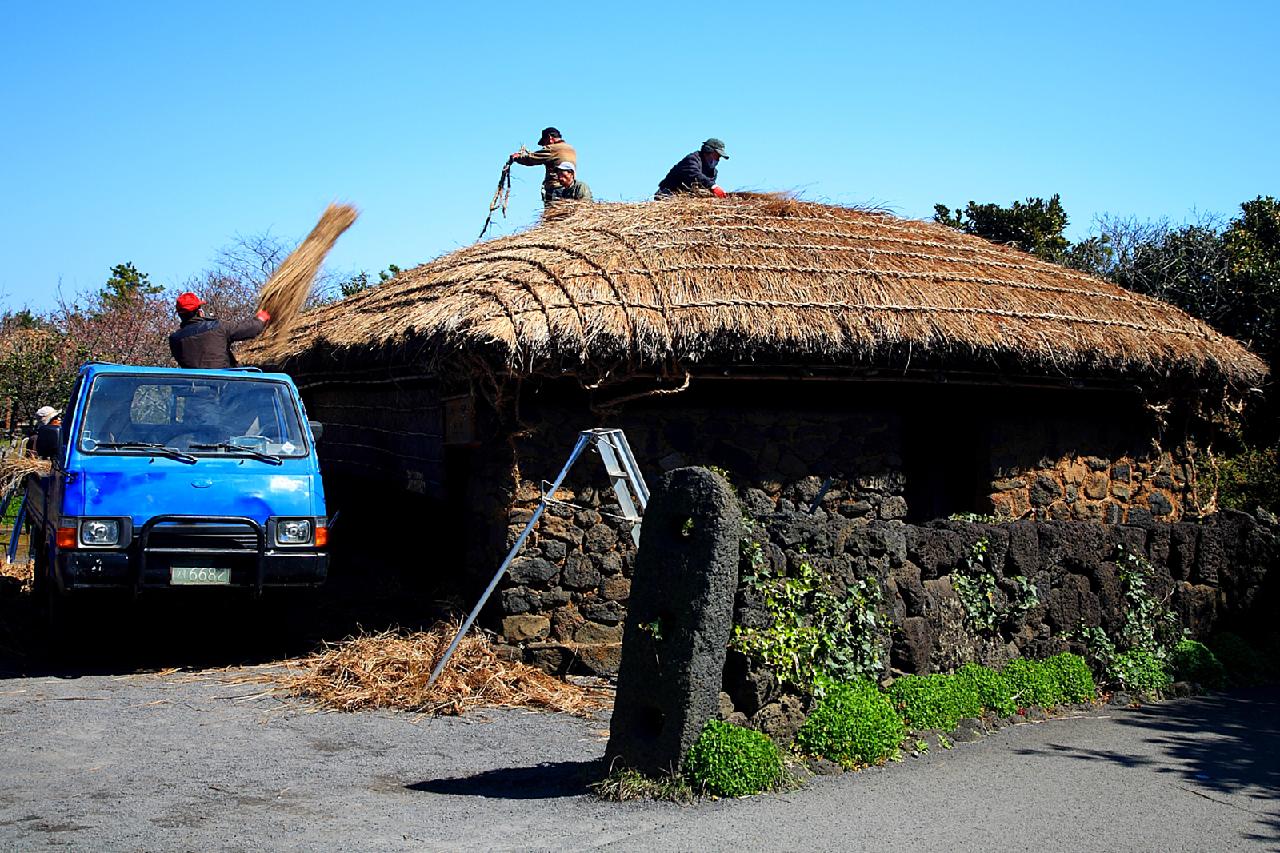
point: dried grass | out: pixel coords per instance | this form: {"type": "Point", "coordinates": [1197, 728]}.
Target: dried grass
{"type": "Point", "coordinates": [15, 468]}
{"type": "Point", "coordinates": [764, 278]}
{"type": "Point", "coordinates": [23, 573]}
{"type": "Point", "coordinates": [391, 669]}
{"type": "Point", "coordinates": [287, 290]}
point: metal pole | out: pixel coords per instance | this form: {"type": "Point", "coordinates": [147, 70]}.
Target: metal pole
{"type": "Point", "coordinates": [583, 439]}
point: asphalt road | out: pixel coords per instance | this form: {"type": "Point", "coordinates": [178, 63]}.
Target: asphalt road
{"type": "Point", "coordinates": [171, 762]}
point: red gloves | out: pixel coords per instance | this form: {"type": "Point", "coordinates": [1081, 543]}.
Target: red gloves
{"type": "Point", "coordinates": [717, 192]}
{"type": "Point", "coordinates": [264, 316]}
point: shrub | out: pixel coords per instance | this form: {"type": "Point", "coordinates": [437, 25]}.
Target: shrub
{"type": "Point", "coordinates": [993, 689]}
{"type": "Point", "coordinates": [853, 723]}
{"type": "Point", "coordinates": [1193, 661]}
{"type": "Point", "coordinates": [730, 761]}
{"type": "Point", "coordinates": [1138, 669]}
{"type": "Point", "coordinates": [1244, 665]}
{"type": "Point", "coordinates": [1033, 683]}
{"type": "Point", "coordinates": [934, 701]}
{"type": "Point", "coordinates": [1075, 682]}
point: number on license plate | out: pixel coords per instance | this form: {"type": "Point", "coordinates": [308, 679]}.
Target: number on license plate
{"type": "Point", "coordinates": [199, 576]}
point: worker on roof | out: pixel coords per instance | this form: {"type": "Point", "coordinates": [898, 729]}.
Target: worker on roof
{"type": "Point", "coordinates": [567, 186]}
{"type": "Point", "coordinates": [553, 152]}
{"type": "Point", "coordinates": [204, 342]}
{"type": "Point", "coordinates": [696, 173]}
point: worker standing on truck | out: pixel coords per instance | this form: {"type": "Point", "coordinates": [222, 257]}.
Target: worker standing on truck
{"type": "Point", "coordinates": [204, 342]}
{"type": "Point", "coordinates": [553, 152]}
{"type": "Point", "coordinates": [695, 173]}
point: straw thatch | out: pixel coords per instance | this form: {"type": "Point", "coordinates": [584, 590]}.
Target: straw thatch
{"type": "Point", "coordinates": [287, 290]}
{"type": "Point", "coordinates": [625, 287]}
{"type": "Point", "coordinates": [15, 468]}
{"type": "Point", "coordinates": [391, 670]}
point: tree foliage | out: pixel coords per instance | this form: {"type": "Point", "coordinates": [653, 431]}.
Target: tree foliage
{"type": "Point", "coordinates": [1034, 225]}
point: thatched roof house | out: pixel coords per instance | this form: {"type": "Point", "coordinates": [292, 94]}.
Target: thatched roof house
{"type": "Point", "coordinates": [831, 359]}
{"type": "Point", "coordinates": [613, 289]}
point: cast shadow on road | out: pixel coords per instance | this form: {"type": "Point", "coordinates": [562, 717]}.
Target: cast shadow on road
{"type": "Point", "coordinates": [540, 782]}
{"type": "Point", "coordinates": [1222, 744]}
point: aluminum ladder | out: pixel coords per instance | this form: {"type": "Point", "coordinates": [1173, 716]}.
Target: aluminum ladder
{"type": "Point", "coordinates": [628, 486]}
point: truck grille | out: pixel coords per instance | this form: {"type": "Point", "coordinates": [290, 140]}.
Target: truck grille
{"type": "Point", "coordinates": [202, 537]}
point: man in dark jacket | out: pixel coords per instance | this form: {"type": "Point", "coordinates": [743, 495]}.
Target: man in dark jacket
{"type": "Point", "coordinates": [696, 173]}
{"type": "Point", "coordinates": [204, 342]}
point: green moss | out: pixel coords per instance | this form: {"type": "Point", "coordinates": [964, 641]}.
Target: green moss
{"type": "Point", "coordinates": [934, 701]}
{"type": "Point", "coordinates": [730, 761]}
{"type": "Point", "coordinates": [1033, 683]}
{"type": "Point", "coordinates": [1139, 669]}
{"type": "Point", "coordinates": [1074, 680]}
{"type": "Point", "coordinates": [1193, 661]}
{"type": "Point", "coordinates": [853, 723]}
{"type": "Point", "coordinates": [993, 689]}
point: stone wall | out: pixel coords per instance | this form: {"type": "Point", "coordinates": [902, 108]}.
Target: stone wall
{"type": "Point", "coordinates": [865, 454]}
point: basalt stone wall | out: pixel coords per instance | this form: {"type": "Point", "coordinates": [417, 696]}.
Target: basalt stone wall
{"type": "Point", "coordinates": [1215, 574]}
{"type": "Point", "coordinates": [862, 455]}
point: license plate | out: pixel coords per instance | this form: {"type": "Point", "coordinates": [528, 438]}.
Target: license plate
{"type": "Point", "coordinates": [199, 576]}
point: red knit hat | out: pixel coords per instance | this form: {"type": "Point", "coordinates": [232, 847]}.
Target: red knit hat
{"type": "Point", "coordinates": [188, 302]}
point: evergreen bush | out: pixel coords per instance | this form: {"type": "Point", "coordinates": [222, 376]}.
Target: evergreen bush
{"type": "Point", "coordinates": [853, 723]}
{"type": "Point", "coordinates": [730, 761]}
{"type": "Point", "coordinates": [1193, 661]}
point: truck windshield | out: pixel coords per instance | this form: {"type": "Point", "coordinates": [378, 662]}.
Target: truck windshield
{"type": "Point", "coordinates": [191, 416]}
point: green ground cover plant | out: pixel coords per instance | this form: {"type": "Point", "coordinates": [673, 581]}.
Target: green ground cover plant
{"type": "Point", "coordinates": [1193, 661]}
{"type": "Point", "coordinates": [852, 724]}
{"type": "Point", "coordinates": [1244, 664]}
{"type": "Point", "coordinates": [1033, 683]}
{"type": "Point", "coordinates": [1071, 672]}
{"type": "Point", "coordinates": [1139, 669]}
{"type": "Point", "coordinates": [731, 761]}
{"type": "Point", "coordinates": [934, 701]}
{"type": "Point", "coordinates": [993, 689]}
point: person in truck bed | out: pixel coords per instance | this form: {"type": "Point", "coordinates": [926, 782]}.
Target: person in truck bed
{"type": "Point", "coordinates": [205, 342]}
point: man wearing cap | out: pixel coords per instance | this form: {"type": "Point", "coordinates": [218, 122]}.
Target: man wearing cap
{"type": "Point", "coordinates": [203, 342]}
{"type": "Point", "coordinates": [567, 186]}
{"type": "Point", "coordinates": [696, 173]}
{"type": "Point", "coordinates": [553, 152]}
{"type": "Point", "coordinates": [45, 416]}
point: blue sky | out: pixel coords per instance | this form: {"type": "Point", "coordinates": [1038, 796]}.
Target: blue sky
{"type": "Point", "coordinates": [156, 132]}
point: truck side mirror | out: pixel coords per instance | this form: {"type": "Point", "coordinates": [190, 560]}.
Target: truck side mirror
{"type": "Point", "coordinates": [317, 429]}
{"type": "Point", "coordinates": [49, 441]}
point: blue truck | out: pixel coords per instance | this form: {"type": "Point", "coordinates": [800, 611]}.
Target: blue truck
{"type": "Point", "coordinates": [172, 478]}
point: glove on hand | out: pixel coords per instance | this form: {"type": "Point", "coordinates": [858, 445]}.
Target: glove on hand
{"type": "Point", "coordinates": [717, 192]}
{"type": "Point", "coordinates": [264, 316]}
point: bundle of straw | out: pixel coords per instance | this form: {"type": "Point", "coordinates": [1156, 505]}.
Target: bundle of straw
{"type": "Point", "coordinates": [286, 292]}
{"type": "Point", "coordinates": [14, 469]}
{"type": "Point", "coordinates": [391, 670]}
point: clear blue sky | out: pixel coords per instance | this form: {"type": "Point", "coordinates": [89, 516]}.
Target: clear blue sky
{"type": "Point", "coordinates": [155, 132]}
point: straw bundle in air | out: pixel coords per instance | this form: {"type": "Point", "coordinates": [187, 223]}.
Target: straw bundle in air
{"type": "Point", "coordinates": [287, 290]}
{"type": "Point", "coordinates": [390, 670]}
{"type": "Point", "coordinates": [14, 469]}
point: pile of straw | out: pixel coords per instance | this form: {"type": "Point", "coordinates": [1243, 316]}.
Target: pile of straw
{"type": "Point", "coordinates": [627, 288]}
{"type": "Point", "coordinates": [286, 292]}
{"type": "Point", "coordinates": [390, 670]}
{"type": "Point", "coordinates": [14, 469]}
{"type": "Point", "coordinates": [23, 573]}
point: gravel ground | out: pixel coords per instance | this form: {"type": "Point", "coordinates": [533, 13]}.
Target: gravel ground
{"type": "Point", "coordinates": [181, 762]}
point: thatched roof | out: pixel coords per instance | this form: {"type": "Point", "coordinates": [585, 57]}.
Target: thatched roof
{"type": "Point", "coordinates": [758, 279]}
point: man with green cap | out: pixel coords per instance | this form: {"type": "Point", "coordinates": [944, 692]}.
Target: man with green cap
{"type": "Point", "coordinates": [696, 173]}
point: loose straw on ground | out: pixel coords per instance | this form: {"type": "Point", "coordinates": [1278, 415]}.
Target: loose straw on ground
{"type": "Point", "coordinates": [286, 292]}
{"type": "Point", "coordinates": [391, 669]}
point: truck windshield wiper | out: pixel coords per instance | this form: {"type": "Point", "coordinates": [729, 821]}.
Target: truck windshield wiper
{"type": "Point", "coordinates": [163, 449]}
{"type": "Point", "coordinates": [237, 448]}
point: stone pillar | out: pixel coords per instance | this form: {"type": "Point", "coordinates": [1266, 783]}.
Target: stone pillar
{"type": "Point", "coordinates": [678, 622]}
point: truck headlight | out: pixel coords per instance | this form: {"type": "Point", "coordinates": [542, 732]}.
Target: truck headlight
{"type": "Point", "coordinates": [293, 531]}
{"type": "Point", "coordinates": [100, 531]}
